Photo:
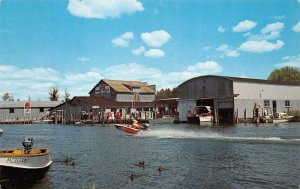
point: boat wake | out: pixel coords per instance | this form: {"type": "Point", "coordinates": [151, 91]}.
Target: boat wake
{"type": "Point", "coordinates": [181, 134]}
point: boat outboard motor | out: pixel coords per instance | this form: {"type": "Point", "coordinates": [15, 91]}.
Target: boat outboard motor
{"type": "Point", "coordinates": [145, 126]}
{"type": "Point", "coordinates": [27, 143]}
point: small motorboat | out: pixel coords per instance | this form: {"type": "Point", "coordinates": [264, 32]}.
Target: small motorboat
{"type": "Point", "coordinates": [127, 128]}
{"type": "Point", "coordinates": [163, 120]}
{"type": "Point", "coordinates": [205, 114]}
{"type": "Point", "coordinates": [133, 128]}
{"type": "Point", "coordinates": [281, 117]}
{"type": "Point", "coordinates": [17, 163]}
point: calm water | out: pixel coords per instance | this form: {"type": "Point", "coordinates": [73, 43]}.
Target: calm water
{"type": "Point", "coordinates": [241, 156]}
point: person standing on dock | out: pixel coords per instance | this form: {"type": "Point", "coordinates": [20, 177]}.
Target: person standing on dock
{"type": "Point", "coordinates": [256, 113]}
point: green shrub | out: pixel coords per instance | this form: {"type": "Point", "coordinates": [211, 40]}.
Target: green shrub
{"type": "Point", "coordinates": [294, 113]}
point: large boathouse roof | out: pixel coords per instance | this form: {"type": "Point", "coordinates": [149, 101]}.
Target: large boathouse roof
{"type": "Point", "coordinates": [122, 86]}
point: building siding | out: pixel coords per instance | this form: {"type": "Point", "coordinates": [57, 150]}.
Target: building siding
{"type": "Point", "coordinates": [250, 93]}
{"type": "Point", "coordinates": [18, 107]}
{"type": "Point", "coordinates": [237, 95]}
{"type": "Point", "coordinates": [19, 114]}
{"type": "Point", "coordinates": [266, 91]}
{"type": "Point", "coordinates": [135, 98]}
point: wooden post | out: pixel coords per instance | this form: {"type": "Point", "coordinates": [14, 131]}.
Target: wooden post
{"type": "Point", "coordinates": [237, 115]}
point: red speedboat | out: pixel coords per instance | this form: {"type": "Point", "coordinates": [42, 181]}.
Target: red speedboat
{"type": "Point", "coordinates": [127, 128]}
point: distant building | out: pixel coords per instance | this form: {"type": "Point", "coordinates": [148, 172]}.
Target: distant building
{"type": "Point", "coordinates": [168, 107]}
{"type": "Point", "coordinates": [124, 91]}
{"type": "Point", "coordinates": [15, 110]}
{"type": "Point", "coordinates": [111, 97]}
{"type": "Point", "coordinates": [233, 98]}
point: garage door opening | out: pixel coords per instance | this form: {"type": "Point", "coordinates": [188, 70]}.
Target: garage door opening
{"type": "Point", "coordinates": [205, 102]}
{"type": "Point", "coordinates": [226, 116]}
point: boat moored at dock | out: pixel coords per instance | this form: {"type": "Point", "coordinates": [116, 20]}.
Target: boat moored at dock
{"type": "Point", "coordinates": [162, 120]}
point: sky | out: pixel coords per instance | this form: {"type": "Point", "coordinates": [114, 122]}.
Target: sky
{"type": "Point", "coordinates": [73, 44]}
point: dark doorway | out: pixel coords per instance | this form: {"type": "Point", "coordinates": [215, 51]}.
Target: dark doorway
{"type": "Point", "coordinates": [205, 102]}
{"type": "Point", "coordinates": [226, 115]}
{"type": "Point", "coordinates": [274, 106]}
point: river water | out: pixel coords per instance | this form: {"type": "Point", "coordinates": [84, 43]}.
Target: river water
{"type": "Point", "coordinates": [240, 156]}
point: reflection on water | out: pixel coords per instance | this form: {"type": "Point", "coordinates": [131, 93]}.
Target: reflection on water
{"type": "Point", "coordinates": [241, 156]}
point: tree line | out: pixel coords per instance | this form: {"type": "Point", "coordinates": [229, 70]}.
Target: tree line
{"type": "Point", "coordinates": [53, 95]}
{"type": "Point", "coordinates": [285, 74]}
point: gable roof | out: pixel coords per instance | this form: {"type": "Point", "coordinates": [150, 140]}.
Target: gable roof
{"type": "Point", "coordinates": [125, 86]}
{"type": "Point", "coordinates": [247, 80]}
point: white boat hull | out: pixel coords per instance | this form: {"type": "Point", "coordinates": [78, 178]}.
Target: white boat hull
{"type": "Point", "coordinates": [281, 120]}
{"type": "Point", "coordinates": [206, 119]}
{"type": "Point", "coordinates": [26, 161]}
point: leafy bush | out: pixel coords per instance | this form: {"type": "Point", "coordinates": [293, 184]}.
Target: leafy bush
{"type": "Point", "coordinates": [294, 113]}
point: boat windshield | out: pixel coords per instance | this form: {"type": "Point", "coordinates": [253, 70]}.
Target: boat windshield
{"type": "Point", "coordinates": [202, 110]}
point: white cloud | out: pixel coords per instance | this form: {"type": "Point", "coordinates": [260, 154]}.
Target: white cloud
{"type": "Point", "coordinates": [123, 40]}
{"type": "Point", "coordinates": [293, 61]}
{"type": "Point", "coordinates": [206, 48]}
{"type": "Point", "coordinates": [202, 68]}
{"type": "Point", "coordinates": [228, 51]}
{"type": "Point", "coordinates": [132, 71]}
{"type": "Point", "coordinates": [243, 26]}
{"type": "Point", "coordinates": [270, 31]}
{"type": "Point", "coordinates": [36, 82]}
{"type": "Point", "coordinates": [155, 53]}
{"type": "Point", "coordinates": [82, 59]}
{"type": "Point", "coordinates": [261, 46]}
{"type": "Point", "coordinates": [138, 51]}
{"type": "Point", "coordinates": [259, 37]}
{"type": "Point", "coordinates": [79, 84]}
{"type": "Point", "coordinates": [24, 82]}
{"type": "Point", "coordinates": [296, 28]}
{"type": "Point", "coordinates": [298, 1]}
{"type": "Point", "coordinates": [156, 38]}
{"type": "Point", "coordinates": [281, 17]}
{"type": "Point", "coordinates": [43, 74]}
{"type": "Point", "coordinates": [103, 9]}
{"type": "Point", "coordinates": [277, 26]}
{"type": "Point", "coordinates": [88, 76]}
{"type": "Point", "coordinates": [221, 29]}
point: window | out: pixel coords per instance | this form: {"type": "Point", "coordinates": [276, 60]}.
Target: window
{"type": "Point", "coordinates": [287, 103]}
{"type": "Point", "coordinates": [42, 109]}
{"type": "Point", "coordinates": [266, 103]}
{"type": "Point", "coordinates": [11, 110]}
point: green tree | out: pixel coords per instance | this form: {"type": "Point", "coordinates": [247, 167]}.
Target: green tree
{"type": "Point", "coordinates": [67, 95]}
{"type": "Point", "coordinates": [53, 93]}
{"type": "Point", "coordinates": [7, 97]}
{"type": "Point", "coordinates": [166, 93]}
{"type": "Point", "coordinates": [289, 74]}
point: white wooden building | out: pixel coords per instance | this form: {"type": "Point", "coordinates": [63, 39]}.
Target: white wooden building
{"type": "Point", "coordinates": [15, 110]}
{"type": "Point", "coordinates": [233, 97]}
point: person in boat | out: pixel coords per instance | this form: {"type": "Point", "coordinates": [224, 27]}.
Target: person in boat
{"type": "Point", "coordinates": [135, 123]}
{"type": "Point", "coordinates": [118, 116]}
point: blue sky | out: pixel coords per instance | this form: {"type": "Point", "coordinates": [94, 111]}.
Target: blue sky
{"type": "Point", "coordinates": [74, 44]}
